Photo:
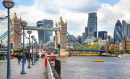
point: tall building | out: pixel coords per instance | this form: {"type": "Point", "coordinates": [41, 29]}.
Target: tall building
{"type": "Point", "coordinates": [79, 39]}
{"type": "Point", "coordinates": [44, 36]}
{"type": "Point", "coordinates": [15, 39]}
{"type": "Point", "coordinates": [92, 25]}
{"type": "Point", "coordinates": [102, 34]}
{"type": "Point", "coordinates": [86, 32]}
{"type": "Point", "coordinates": [118, 33]}
{"type": "Point", "coordinates": [125, 30]}
{"type": "Point", "coordinates": [83, 37]}
{"type": "Point", "coordinates": [109, 37]}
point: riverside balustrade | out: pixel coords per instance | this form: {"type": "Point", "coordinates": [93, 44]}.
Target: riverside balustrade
{"type": "Point", "coordinates": [51, 72]}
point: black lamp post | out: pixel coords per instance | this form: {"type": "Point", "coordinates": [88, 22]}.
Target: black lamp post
{"type": "Point", "coordinates": [8, 4]}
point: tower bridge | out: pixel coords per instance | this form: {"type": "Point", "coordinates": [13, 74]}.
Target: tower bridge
{"type": "Point", "coordinates": [61, 38]}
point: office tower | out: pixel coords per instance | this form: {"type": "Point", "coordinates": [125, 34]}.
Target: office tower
{"type": "Point", "coordinates": [109, 38]}
{"type": "Point", "coordinates": [118, 33]}
{"type": "Point", "coordinates": [102, 34]}
{"type": "Point", "coordinates": [79, 39]}
{"type": "Point", "coordinates": [92, 25]}
{"type": "Point", "coordinates": [86, 32]}
{"type": "Point", "coordinates": [83, 37]}
{"type": "Point", "coordinates": [44, 36]}
{"type": "Point", "coordinates": [125, 30]}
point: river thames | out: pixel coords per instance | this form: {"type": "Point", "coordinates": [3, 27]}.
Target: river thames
{"type": "Point", "coordinates": [83, 67]}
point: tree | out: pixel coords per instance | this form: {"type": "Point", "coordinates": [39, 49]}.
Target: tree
{"type": "Point", "coordinates": [124, 51]}
{"type": "Point", "coordinates": [120, 51]}
{"type": "Point", "coordinates": [112, 50]}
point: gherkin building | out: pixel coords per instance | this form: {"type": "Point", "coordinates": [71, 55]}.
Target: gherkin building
{"type": "Point", "coordinates": [118, 33]}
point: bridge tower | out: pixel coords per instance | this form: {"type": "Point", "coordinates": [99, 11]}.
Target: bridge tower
{"type": "Point", "coordinates": [15, 39]}
{"type": "Point", "coordinates": [61, 36]}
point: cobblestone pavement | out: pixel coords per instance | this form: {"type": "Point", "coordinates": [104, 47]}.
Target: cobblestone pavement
{"type": "Point", "coordinates": [37, 71]}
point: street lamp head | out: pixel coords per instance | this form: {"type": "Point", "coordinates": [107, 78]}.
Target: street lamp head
{"type": "Point", "coordinates": [32, 36]}
{"type": "Point", "coordinates": [29, 31]}
{"type": "Point", "coordinates": [23, 23]}
{"type": "Point", "coordinates": [8, 4]}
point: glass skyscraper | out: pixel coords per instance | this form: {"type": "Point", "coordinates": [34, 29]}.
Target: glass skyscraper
{"type": "Point", "coordinates": [41, 34]}
{"type": "Point", "coordinates": [92, 25]}
{"type": "Point", "coordinates": [102, 34]}
{"type": "Point", "coordinates": [118, 37]}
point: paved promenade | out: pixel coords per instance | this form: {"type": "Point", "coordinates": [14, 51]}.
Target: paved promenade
{"type": "Point", "coordinates": [37, 71]}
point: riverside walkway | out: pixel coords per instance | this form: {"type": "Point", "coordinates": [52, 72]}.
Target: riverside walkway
{"type": "Point", "coordinates": [37, 71]}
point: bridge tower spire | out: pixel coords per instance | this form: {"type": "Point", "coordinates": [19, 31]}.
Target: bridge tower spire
{"type": "Point", "coordinates": [61, 36]}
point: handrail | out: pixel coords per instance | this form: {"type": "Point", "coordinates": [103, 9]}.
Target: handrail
{"type": "Point", "coordinates": [49, 71]}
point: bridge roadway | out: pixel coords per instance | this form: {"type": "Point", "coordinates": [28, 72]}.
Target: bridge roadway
{"type": "Point", "coordinates": [37, 71]}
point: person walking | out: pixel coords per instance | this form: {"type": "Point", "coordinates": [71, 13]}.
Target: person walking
{"type": "Point", "coordinates": [19, 58]}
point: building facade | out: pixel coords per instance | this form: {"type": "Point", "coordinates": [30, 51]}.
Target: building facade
{"type": "Point", "coordinates": [102, 34]}
{"type": "Point", "coordinates": [126, 45]}
{"type": "Point", "coordinates": [118, 37]}
{"type": "Point", "coordinates": [92, 25]}
{"type": "Point", "coordinates": [44, 36]}
{"type": "Point", "coordinates": [86, 32]}
{"type": "Point", "coordinates": [79, 39]}
{"type": "Point", "coordinates": [15, 39]}
{"type": "Point", "coordinates": [83, 37]}
{"type": "Point", "coordinates": [52, 38]}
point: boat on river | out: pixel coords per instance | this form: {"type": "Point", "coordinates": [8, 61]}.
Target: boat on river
{"type": "Point", "coordinates": [124, 56]}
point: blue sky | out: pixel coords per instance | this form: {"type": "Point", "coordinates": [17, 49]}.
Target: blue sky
{"type": "Point", "coordinates": [17, 3]}
{"type": "Point", "coordinates": [111, 2]}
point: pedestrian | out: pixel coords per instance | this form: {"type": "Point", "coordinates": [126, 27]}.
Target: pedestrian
{"type": "Point", "coordinates": [19, 58]}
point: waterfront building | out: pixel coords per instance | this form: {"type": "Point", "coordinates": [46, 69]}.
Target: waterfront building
{"type": "Point", "coordinates": [102, 34]}
{"type": "Point", "coordinates": [15, 39]}
{"type": "Point", "coordinates": [44, 36]}
{"type": "Point", "coordinates": [118, 33]}
{"type": "Point", "coordinates": [126, 45]}
{"type": "Point", "coordinates": [92, 25]}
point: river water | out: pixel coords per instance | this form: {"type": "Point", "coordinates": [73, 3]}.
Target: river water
{"type": "Point", "coordinates": [83, 67]}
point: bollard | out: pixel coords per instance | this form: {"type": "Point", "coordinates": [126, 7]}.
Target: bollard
{"type": "Point", "coordinates": [45, 62]}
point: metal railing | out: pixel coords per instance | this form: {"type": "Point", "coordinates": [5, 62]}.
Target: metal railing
{"type": "Point", "coordinates": [49, 71]}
